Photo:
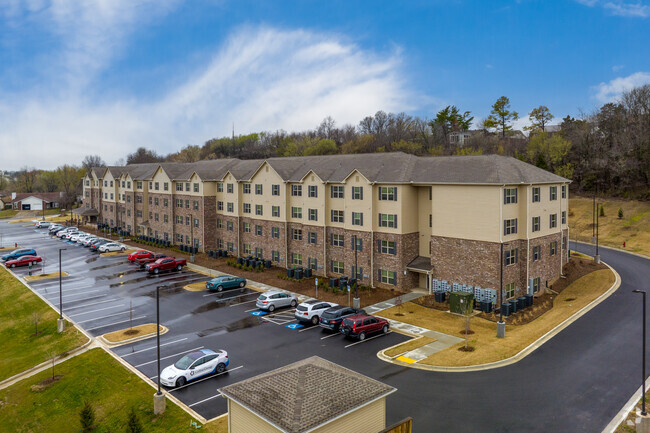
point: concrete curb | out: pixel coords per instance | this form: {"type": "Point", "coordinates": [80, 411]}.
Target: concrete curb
{"type": "Point", "coordinates": [614, 248]}
{"type": "Point", "coordinates": [524, 352]}
{"type": "Point", "coordinates": [111, 345]}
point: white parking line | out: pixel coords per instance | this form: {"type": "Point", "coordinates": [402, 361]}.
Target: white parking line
{"type": "Point", "coordinates": [310, 328]}
{"type": "Point", "coordinates": [335, 334]}
{"type": "Point", "coordinates": [367, 339]}
{"type": "Point", "coordinates": [204, 400]}
{"type": "Point", "coordinates": [153, 347]}
{"type": "Point", "coordinates": [170, 356]}
{"type": "Point", "coordinates": [206, 378]}
{"type": "Point", "coordinates": [240, 303]}
{"type": "Point", "coordinates": [94, 311]}
{"type": "Point", "coordinates": [253, 309]}
{"type": "Point", "coordinates": [116, 323]}
{"type": "Point", "coordinates": [103, 317]}
{"type": "Point", "coordinates": [93, 303]}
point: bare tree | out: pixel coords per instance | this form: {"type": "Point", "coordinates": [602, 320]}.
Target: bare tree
{"type": "Point", "coordinates": [91, 161]}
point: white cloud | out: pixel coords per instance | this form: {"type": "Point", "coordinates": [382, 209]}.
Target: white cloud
{"type": "Point", "coordinates": [617, 68]}
{"type": "Point", "coordinates": [260, 79]}
{"type": "Point", "coordinates": [608, 92]}
{"type": "Point", "coordinates": [620, 8]}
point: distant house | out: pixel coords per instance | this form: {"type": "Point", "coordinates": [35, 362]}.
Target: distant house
{"type": "Point", "coordinates": [312, 395]}
{"type": "Point", "coordinates": [460, 138]}
{"type": "Point", "coordinates": [5, 201]}
{"type": "Point", "coordinates": [35, 200]}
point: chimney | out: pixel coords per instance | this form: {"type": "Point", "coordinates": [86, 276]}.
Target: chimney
{"type": "Point", "coordinates": [13, 195]}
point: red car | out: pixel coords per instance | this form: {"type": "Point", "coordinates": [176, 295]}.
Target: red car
{"type": "Point", "coordinates": [361, 325]}
{"type": "Point", "coordinates": [165, 264]}
{"type": "Point", "coordinates": [23, 261]}
{"type": "Point", "coordinates": [138, 255]}
{"type": "Point", "coordinates": [142, 261]}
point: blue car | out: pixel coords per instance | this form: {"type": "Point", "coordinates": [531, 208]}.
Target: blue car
{"type": "Point", "coordinates": [16, 254]}
{"type": "Point", "coordinates": [225, 282]}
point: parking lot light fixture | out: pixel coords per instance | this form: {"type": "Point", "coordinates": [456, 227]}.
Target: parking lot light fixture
{"type": "Point", "coordinates": [643, 411]}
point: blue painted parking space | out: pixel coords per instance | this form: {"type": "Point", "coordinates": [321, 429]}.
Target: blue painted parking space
{"type": "Point", "coordinates": [295, 326]}
{"type": "Point", "coordinates": [258, 313]}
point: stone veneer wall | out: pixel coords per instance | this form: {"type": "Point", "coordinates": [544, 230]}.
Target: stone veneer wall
{"type": "Point", "coordinates": [224, 234]}
{"type": "Point", "coordinates": [208, 220]}
{"type": "Point", "coordinates": [407, 249]}
{"type": "Point", "coordinates": [185, 229]}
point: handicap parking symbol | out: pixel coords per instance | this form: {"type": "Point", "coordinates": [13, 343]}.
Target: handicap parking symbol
{"type": "Point", "coordinates": [258, 313]}
{"type": "Point", "coordinates": [295, 326]}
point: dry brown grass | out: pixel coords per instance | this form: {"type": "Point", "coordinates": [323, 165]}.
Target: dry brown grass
{"type": "Point", "coordinates": [488, 348]}
{"type": "Point", "coordinates": [45, 276]}
{"type": "Point", "coordinates": [409, 345]}
{"type": "Point", "coordinates": [136, 331]}
{"type": "Point", "coordinates": [195, 287]}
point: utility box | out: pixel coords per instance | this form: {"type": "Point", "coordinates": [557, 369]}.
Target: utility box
{"type": "Point", "coordinates": [461, 302]}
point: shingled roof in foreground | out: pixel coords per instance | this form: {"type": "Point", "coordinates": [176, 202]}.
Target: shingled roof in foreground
{"type": "Point", "coordinates": [298, 397]}
{"type": "Point", "coordinates": [396, 167]}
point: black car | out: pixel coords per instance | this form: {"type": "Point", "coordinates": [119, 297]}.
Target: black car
{"type": "Point", "coordinates": [96, 245]}
{"type": "Point", "coordinates": [55, 230]}
{"type": "Point", "coordinates": [332, 317]}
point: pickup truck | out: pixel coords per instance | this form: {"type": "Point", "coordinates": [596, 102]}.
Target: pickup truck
{"type": "Point", "coordinates": [142, 260]}
{"type": "Point", "coordinates": [165, 264]}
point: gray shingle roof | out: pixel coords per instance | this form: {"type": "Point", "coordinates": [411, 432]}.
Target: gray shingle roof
{"type": "Point", "coordinates": [396, 167]}
{"type": "Point", "coordinates": [296, 398]}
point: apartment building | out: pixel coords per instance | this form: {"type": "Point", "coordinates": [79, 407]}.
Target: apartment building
{"type": "Point", "coordinates": [411, 219]}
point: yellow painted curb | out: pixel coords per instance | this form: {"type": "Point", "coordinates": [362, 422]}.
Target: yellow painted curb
{"type": "Point", "coordinates": [195, 287]}
{"type": "Point", "coordinates": [9, 248]}
{"type": "Point", "coordinates": [45, 276]}
{"type": "Point", "coordinates": [163, 330]}
{"type": "Point", "coordinates": [405, 359]}
{"type": "Point", "coordinates": [29, 225]}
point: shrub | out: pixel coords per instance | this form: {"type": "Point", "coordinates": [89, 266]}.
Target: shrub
{"type": "Point", "coordinates": [133, 424]}
{"type": "Point", "coordinates": [620, 213]}
{"type": "Point", "coordinates": [87, 417]}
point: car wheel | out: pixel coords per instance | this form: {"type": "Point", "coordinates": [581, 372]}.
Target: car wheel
{"type": "Point", "coordinates": [156, 270]}
{"type": "Point", "coordinates": [314, 320]}
{"type": "Point", "coordinates": [385, 329]}
{"type": "Point", "coordinates": [219, 288]}
{"type": "Point", "coordinates": [180, 381]}
{"type": "Point", "coordinates": [34, 263]}
{"type": "Point", "coordinates": [221, 367]}
{"type": "Point", "coordinates": [271, 308]}
{"type": "Point", "coordinates": [13, 265]}
{"type": "Point", "coordinates": [294, 303]}
{"type": "Point", "coordinates": [123, 249]}
{"type": "Point", "coordinates": [179, 267]}
{"type": "Point", "coordinates": [242, 284]}
{"type": "Point", "coordinates": [362, 336]}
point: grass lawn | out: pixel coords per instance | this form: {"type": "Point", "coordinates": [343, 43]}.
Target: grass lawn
{"type": "Point", "coordinates": [21, 349]}
{"type": "Point", "coordinates": [8, 213]}
{"type": "Point", "coordinates": [633, 228]}
{"type": "Point", "coordinates": [488, 348]}
{"type": "Point", "coordinates": [98, 378]}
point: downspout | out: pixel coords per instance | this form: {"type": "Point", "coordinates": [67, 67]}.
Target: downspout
{"type": "Point", "coordinates": [325, 213]}
{"type": "Point", "coordinates": [501, 228]}
{"type": "Point", "coordinates": [561, 232]}
{"type": "Point", "coordinates": [372, 235]}
{"type": "Point", "coordinates": [286, 227]}
{"type": "Point", "coordinates": [568, 238]}
{"type": "Point", "coordinates": [527, 238]}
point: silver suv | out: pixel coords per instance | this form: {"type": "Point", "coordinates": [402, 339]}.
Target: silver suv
{"type": "Point", "coordinates": [275, 299]}
{"type": "Point", "coordinates": [310, 311]}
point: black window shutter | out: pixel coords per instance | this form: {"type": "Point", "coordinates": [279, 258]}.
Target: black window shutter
{"type": "Point", "coordinates": [361, 193]}
{"type": "Point", "coordinates": [331, 238]}
{"type": "Point", "coordinates": [504, 227]}
{"type": "Point", "coordinates": [379, 274]}
{"type": "Point", "coordinates": [331, 265]}
{"type": "Point", "coordinates": [379, 193]}
{"type": "Point", "coordinates": [395, 221]}
{"type": "Point", "coordinates": [516, 191]}
{"type": "Point", "coordinates": [515, 225]}
{"type": "Point", "coordinates": [395, 249]}
{"type": "Point", "coordinates": [505, 194]}
{"type": "Point", "coordinates": [395, 193]}
{"type": "Point", "coordinates": [378, 246]}
{"type": "Point", "coordinates": [361, 219]}
{"type": "Point", "coordinates": [360, 244]}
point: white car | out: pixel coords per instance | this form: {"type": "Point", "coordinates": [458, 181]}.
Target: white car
{"type": "Point", "coordinates": [42, 224]}
{"type": "Point", "coordinates": [111, 246]}
{"type": "Point", "coordinates": [310, 311]}
{"type": "Point", "coordinates": [82, 238]}
{"type": "Point", "coordinates": [193, 366]}
{"type": "Point", "coordinates": [89, 240]}
{"type": "Point", "coordinates": [67, 235]}
{"type": "Point", "coordinates": [75, 237]}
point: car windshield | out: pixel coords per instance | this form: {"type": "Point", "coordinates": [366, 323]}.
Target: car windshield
{"type": "Point", "coordinates": [185, 362]}
{"type": "Point", "coordinates": [347, 322]}
{"type": "Point", "coordinates": [262, 297]}
{"type": "Point", "coordinates": [330, 314]}
{"type": "Point", "coordinates": [301, 308]}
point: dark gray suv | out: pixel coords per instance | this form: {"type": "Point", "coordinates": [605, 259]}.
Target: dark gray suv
{"type": "Point", "coordinates": [332, 317]}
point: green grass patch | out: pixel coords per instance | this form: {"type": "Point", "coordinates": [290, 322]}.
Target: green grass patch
{"type": "Point", "coordinates": [22, 347]}
{"type": "Point", "coordinates": [8, 213]}
{"type": "Point", "coordinates": [33, 405]}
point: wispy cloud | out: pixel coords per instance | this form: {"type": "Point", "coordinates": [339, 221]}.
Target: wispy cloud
{"type": "Point", "coordinates": [621, 8]}
{"type": "Point", "coordinates": [608, 92]}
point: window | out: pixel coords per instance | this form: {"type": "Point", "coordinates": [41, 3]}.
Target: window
{"type": "Point", "coordinates": [155, 201]}
{"type": "Point", "coordinates": [247, 227]}
{"type": "Point", "coordinates": [179, 202]}
{"type": "Point", "coordinates": [337, 216]}
{"type": "Point", "coordinates": [229, 188]}
{"type": "Point", "coordinates": [313, 214]}
{"type": "Point", "coordinates": [296, 234]}
{"type": "Point", "coordinates": [553, 193]}
{"type": "Point", "coordinates": [387, 247]}
{"type": "Point", "coordinates": [312, 191]}
{"type": "Point", "coordinates": [123, 184]}
{"type": "Point", "coordinates": [296, 212]}
{"type": "Point", "coordinates": [510, 257]}
{"type": "Point", "coordinates": [165, 202]}
{"type": "Point", "coordinates": [387, 220]}
{"type": "Point", "coordinates": [196, 222]}
{"type": "Point", "coordinates": [138, 199]}
{"type": "Point", "coordinates": [156, 217]}
{"type": "Point", "coordinates": [231, 246]}
{"type": "Point", "coordinates": [563, 191]}
{"type": "Point", "coordinates": [357, 273]}
{"type": "Point", "coordinates": [296, 190]}
{"type": "Point", "coordinates": [258, 253]}
{"type": "Point", "coordinates": [128, 184]}
{"type": "Point", "coordinates": [219, 223]}
{"type": "Point", "coordinates": [195, 205]}
{"type": "Point", "coordinates": [187, 221]}
{"type": "Point", "coordinates": [336, 191]}
{"type": "Point", "coordinates": [553, 248]}
{"type": "Point", "coordinates": [258, 189]}
{"type": "Point", "coordinates": [552, 223]}
{"type": "Point", "coordinates": [230, 207]}
{"type": "Point", "coordinates": [179, 219]}
{"type": "Point", "coordinates": [388, 193]}
{"type": "Point", "coordinates": [220, 206]}
{"type": "Point", "coordinates": [247, 248]}
{"type": "Point", "coordinates": [111, 196]}
{"type": "Point", "coordinates": [220, 187]}
{"type": "Point", "coordinates": [275, 256]}
{"type": "Point", "coordinates": [536, 282]}
{"type": "Point", "coordinates": [430, 220]}
{"type": "Point", "coordinates": [536, 224]}
{"type": "Point", "coordinates": [563, 243]}
{"type": "Point", "coordinates": [357, 193]}
{"type": "Point", "coordinates": [166, 186]}
{"type": "Point", "coordinates": [296, 259]}
{"type": "Point", "coordinates": [387, 277]}
{"type": "Point", "coordinates": [187, 186]}
{"type": "Point", "coordinates": [179, 187]}
{"type": "Point", "coordinates": [338, 267]}
{"type": "Point", "coordinates": [275, 232]}
{"type": "Point", "coordinates": [139, 185]}
{"type": "Point", "coordinates": [247, 208]}
{"type": "Point", "coordinates": [179, 238]}
{"type": "Point", "coordinates": [111, 183]}
{"type": "Point", "coordinates": [510, 196]}
{"type": "Point", "coordinates": [510, 226]}
{"type": "Point", "coordinates": [247, 188]}
{"type": "Point", "coordinates": [150, 200]}
{"type": "Point", "coordinates": [196, 187]}
{"type": "Point", "coordinates": [87, 183]}
{"type": "Point", "coordinates": [138, 213]}
{"type": "Point", "coordinates": [338, 240]}
{"type": "Point", "coordinates": [312, 238]}
{"type": "Point", "coordinates": [258, 209]}
{"type": "Point", "coordinates": [536, 194]}
{"type": "Point", "coordinates": [275, 189]}
{"type": "Point", "coordinates": [510, 290]}
{"type": "Point", "coordinates": [537, 253]}
{"type": "Point", "coordinates": [229, 226]}
{"type": "Point", "coordinates": [357, 218]}
{"type": "Point", "coordinates": [258, 230]}
{"type": "Point", "coordinates": [187, 204]}
{"type": "Point", "coordinates": [156, 186]}
{"type": "Point", "coordinates": [275, 211]}
{"type": "Point", "coordinates": [563, 217]}
{"type": "Point", "coordinates": [312, 263]}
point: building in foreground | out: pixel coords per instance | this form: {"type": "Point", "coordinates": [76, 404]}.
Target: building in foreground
{"type": "Point", "coordinates": [413, 219]}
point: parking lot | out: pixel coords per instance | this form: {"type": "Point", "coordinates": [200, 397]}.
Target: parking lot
{"type": "Point", "coordinates": [107, 293]}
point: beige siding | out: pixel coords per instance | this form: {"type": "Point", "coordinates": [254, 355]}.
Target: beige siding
{"type": "Point", "coordinates": [369, 419]}
{"type": "Point", "coordinates": [242, 420]}
{"type": "Point", "coordinates": [425, 208]}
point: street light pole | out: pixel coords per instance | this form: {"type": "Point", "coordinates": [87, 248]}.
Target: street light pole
{"type": "Point", "coordinates": [158, 397]}
{"type": "Point", "coordinates": [643, 411]}
{"type": "Point", "coordinates": [597, 256]}
{"type": "Point", "coordinates": [60, 323]}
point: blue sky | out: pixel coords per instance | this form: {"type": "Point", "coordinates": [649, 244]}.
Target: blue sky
{"type": "Point", "coordinates": [105, 76]}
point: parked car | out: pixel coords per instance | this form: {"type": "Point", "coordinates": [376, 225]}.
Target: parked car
{"type": "Point", "coordinates": [17, 253]}
{"type": "Point", "coordinates": [193, 366]}
{"type": "Point", "coordinates": [275, 299]}
{"type": "Point", "coordinates": [110, 247]}
{"type": "Point", "coordinates": [225, 282]}
{"type": "Point", "coordinates": [75, 237]}
{"type": "Point", "coordinates": [310, 311]}
{"type": "Point", "coordinates": [67, 233]}
{"type": "Point", "coordinates": [23, 261]}
{"type": "Point", "coordinates": [55, 228]}
{"type": "Point", "coordinates": [361, 325]}
{"type": "Point", "coordinates": [138, 255]}
{"type": "Point", "coordinates": [165, 264]}
{"type": "Point", "coordinates": [332, 317]}
{"type": "Point", "coordinates": [150, 259]}
{"type": "Point", "coordinates": [95, 245]}
{"type": "Point", "coordinates": [42, 224]}
{"type": "Point", "coordinates": [89, 241]}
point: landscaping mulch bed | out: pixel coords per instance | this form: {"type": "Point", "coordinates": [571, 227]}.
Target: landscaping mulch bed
{"type": "Point", "coordinates": [576, 268]}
